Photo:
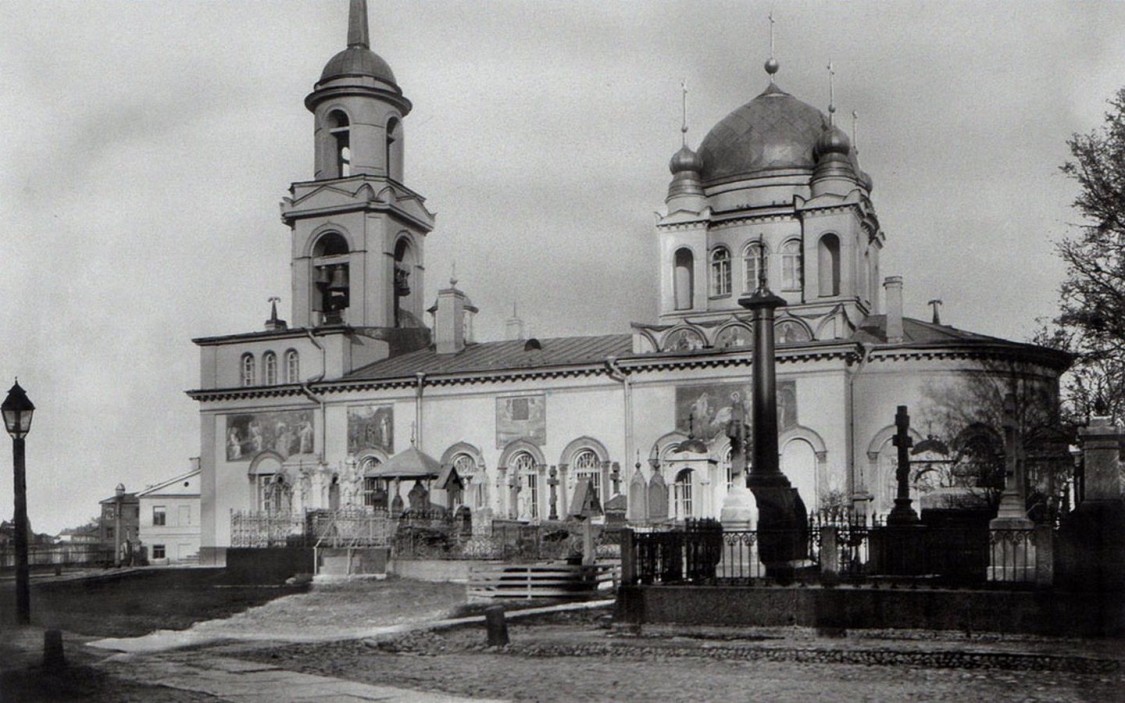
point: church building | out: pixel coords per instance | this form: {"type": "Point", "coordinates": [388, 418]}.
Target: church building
{"type": "Point", "coordinates": [372, 397]}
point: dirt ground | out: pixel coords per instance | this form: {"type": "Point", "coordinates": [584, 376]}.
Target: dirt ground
{"type": "Point", "coordinates": [582, 656]}
{"type": "Point", "coordinates": [602, 663]}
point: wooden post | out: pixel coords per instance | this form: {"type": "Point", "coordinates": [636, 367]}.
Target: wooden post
{"type": "Point", "coordinates": [497, 626]}
{"type": "Point", "coordinates": [588, 555]}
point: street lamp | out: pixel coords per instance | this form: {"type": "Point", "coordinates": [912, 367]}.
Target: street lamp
{"type": "Point", "coordinates": [17, 410]}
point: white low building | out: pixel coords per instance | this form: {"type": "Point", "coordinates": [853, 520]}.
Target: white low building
{"type": "Point", "coordinates": [170, 518]}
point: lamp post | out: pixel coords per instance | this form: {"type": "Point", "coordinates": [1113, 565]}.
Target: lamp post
{"type": "Point", "coordinates": [118, 497]}
{"type": "Point", "coordinates": [17, 410]}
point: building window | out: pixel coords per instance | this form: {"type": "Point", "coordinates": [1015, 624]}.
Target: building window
{"type": "Point", "coordinates": [247, 369]}
{"type": "Point", "coordinates": [720, 272]}
{"type": "Point", "coordinates": [683, 279]}
{"type": "Point", "coordinates": [158, 551]}
{"type": "Point", "coordinates": [269, 368]}
{"type": "Point", "coordinates": [752, 266]}
{"type": "Point", "coordinates": [292, 366]}
{"type": "Point", "coordinates": [394, 149]}
{"type": "Point", "coordinates": [828, 265]}
{"type": "Point", "coordinates": [159, 515]}
{"type": "Point", "coordinates": [586, 465]}
{"type": "Point", "coordinates": [682, 494]}
{"type": "Point", "coordinates": [791, 265]}
{"type": "Point", "coordinates": [374, 489]}
{"type": "Point", "coordinates": [470, 474]}
{"type": "Point", "coordinates": [523, 464]}
{"type": "Point", "coordinates": [339, 128]}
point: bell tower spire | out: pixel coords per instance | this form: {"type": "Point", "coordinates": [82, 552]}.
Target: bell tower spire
{"type": "Point", "coordinates": [358, 231]}
{"type": "Point", "coordinates": [357, 25]}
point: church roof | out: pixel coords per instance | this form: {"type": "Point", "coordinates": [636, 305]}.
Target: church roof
{"type": "Point", "coordinates": [917, 334]}
{"type": "Point", "coordinates": [774, 131]}
{"type": "Point", "coordinates": [496, 356]}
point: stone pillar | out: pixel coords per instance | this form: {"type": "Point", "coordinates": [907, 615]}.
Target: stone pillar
{"type": "Point", "coordinates": [638, 497]}
{"type": "Point", "coordinates": [1091, 543]}
{"type": "Point", "coordinates": [565, 507]}
{"type": "Point", "coordinates": [501, 492]}
{"type": "Point", "coordinates": [782, 518]}
{"type": "Point", "coordinates": [514, 495]}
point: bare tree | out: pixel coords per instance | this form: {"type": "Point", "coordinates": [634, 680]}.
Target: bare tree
{"type": "Point", "coordinates": [1091, 321]}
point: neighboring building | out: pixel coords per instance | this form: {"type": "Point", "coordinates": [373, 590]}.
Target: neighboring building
{"type": "Point", "coordinates": [86, 534]}
{"type": "Point", "coordinates": [169, 518]}
{"type": "Point", "coordinates": [129, 524]}
{"type": "Point", "coordinates": [304, 417]}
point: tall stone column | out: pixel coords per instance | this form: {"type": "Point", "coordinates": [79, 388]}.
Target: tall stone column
{"type": "Point", "coordinates": [782, 518]}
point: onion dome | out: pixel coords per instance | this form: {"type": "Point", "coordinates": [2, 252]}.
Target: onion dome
{"type": "Point", "coordinates": [773, 132]}
{"type": "Point", "coordinates": [685, 160]}
{"type": "Point", "coordinates": [832, 140]}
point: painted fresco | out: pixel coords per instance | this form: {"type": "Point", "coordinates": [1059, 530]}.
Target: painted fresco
{"type": "Point", "coordinates": [521, 417]}
{"type": "Point", "coordinates": [286, 432]}
{"type": "Point", "coordinates": [371, 427]}
{"type": "Point", "coordinates": [705, 411]}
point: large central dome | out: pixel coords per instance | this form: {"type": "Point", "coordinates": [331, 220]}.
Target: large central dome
{"type": "Point", "coordinates": [774, 131]}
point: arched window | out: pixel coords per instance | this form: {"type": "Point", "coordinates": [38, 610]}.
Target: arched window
{"type": "Point", "coordinates": [393, 153]}
{"type": "Point", "coordinates": [269, 369]}
{"type": "Point", "coordinates": [683, 279]}
{"type": "Point", "coordinates": [681, 493]}
{"type": "Point", "coordinates": [374, 489]}
{"type": "Point", "coordinates": [798, 463]}
{"type": "Point", "coordinates": [331, 276]}
{"type": "Point", "coordinates": [752, 266]}
{"type": "Point", "coordinates": [586, 465]}
{"type": "Point", "coordinates": [720, 271]}
{"type": "Point", "coordinates": [292, 366]}
{"type": "Point", "coordinates": [248, 369]}
{"type": "Point", "coordinates": [404, 267]}
{"type": "Point", "coordinates": [473, 478]}
{"type": "Point", "coordinates": [340, 130]}
{"type": "Point", "coordinates": [523, 464]}
{"type": "Point", "coordinates": [828, 265]}
{"type": "Point", "coordinates": [791, 265]}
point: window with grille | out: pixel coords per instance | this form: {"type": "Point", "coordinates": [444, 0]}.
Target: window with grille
{"type": "Point", "coordinates": [586, 465]}
{"type": "Point", "coordinates": [682, 494]}
{"type": "Point", "coordinates": [269, 367]}
{"type": "Point", "coordinates": [524, 466]}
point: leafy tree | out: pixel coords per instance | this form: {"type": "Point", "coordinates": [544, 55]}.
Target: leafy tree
{"type": "Point", "coordinates": [1091, 321]}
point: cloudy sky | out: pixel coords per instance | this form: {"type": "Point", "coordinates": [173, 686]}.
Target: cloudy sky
{"type": "Point", "coordinates": [146, 146]}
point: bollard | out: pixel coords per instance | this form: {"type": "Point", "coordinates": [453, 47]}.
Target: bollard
{"type": "Point", "coordinates": [497, 626]}
{"type": "Point", "coordinates": [53, 657]}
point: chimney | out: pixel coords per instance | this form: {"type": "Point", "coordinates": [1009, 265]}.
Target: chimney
{"type": "Point", "coordinates": [893, 286]}
{"type": "Point", "coordinates": [453, 314]}
{"type": "Point", "coordinates": [514, 326]}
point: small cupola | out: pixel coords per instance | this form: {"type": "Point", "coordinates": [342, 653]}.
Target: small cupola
{"type": "Point", "coordinates": [686, 190]}
{"type": "Point", "coordinates": [834, 172]}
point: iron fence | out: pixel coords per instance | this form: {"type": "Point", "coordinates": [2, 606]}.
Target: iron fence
{"type": "Point", "coordinates": [261, 529]}
{"type": "Point", "coordinates": [947, 556]}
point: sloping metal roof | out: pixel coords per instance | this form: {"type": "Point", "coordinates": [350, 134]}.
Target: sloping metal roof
{"type": "Point", "coordinates": [410, 463]}
{"type": "Point", "coordinates": [499, 356]}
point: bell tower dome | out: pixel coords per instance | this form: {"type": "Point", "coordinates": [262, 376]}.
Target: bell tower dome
{"type": "Point", "coordinates": [358, 231]}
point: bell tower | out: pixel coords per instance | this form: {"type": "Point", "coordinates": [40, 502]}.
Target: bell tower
{"type": "Point", "coordinates": [358, 232]}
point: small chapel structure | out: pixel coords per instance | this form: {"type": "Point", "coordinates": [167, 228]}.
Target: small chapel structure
{"type": "Point", "coordinates": [369, 398]}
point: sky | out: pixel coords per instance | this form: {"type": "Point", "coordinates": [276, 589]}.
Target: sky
{"type": "Point", "coordinates": [146, 146]}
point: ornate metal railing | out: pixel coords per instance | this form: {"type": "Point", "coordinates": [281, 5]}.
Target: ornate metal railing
{"type": "Point", "coordinates": [267, 529]}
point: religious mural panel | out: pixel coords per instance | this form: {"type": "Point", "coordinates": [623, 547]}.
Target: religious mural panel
{"type": "Point", "coordinates": [371, 427]}
{"type": "Point", "coordinates": [286, 432]}
{"type": "Point", "coordinates": [705, 411]}
{"type": "Point", "coordinates": [521, 417]}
